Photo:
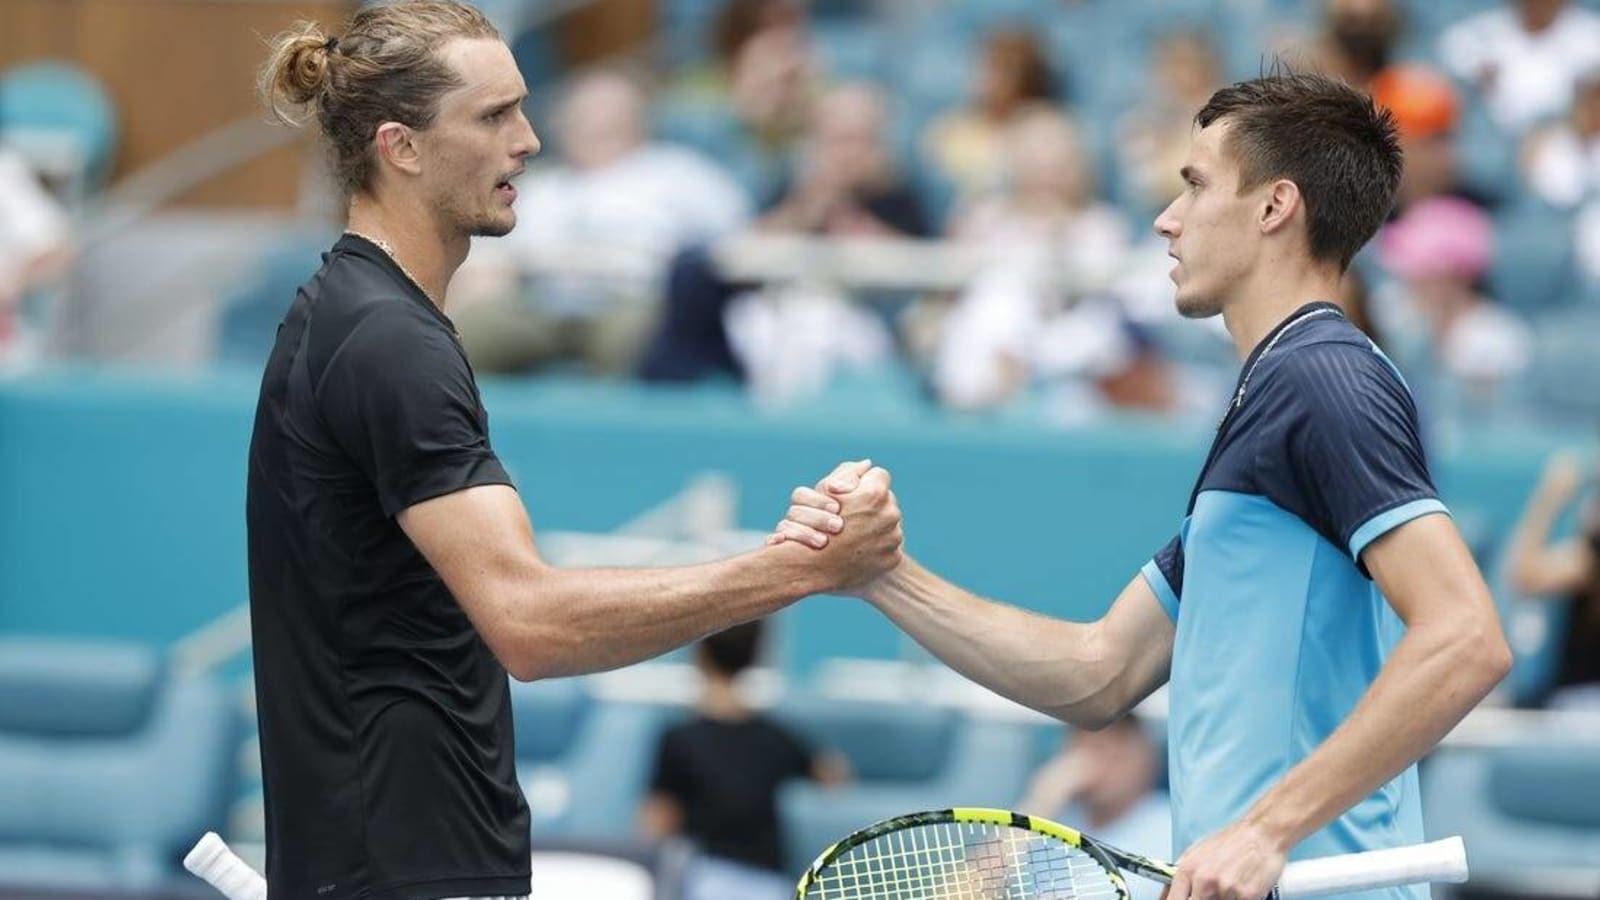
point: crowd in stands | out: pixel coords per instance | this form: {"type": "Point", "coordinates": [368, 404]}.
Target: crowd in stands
{"type": "Point", "coordinates": [1029, 149]}
{"type": "Point", "coordinates": [1036, 138]}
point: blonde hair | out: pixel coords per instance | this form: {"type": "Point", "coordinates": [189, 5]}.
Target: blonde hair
{"type": "Point", "coordinates": [386, 68]}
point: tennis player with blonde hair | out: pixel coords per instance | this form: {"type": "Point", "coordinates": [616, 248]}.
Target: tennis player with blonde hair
{"type": "Point", "coordinates": [394, 578]}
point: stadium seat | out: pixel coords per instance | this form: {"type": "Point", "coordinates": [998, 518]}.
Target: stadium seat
{"type": "Point", "coordinates": [1522, 810]}
{"type": "Point", "coordinates": [110, 765]}
{"type": "Point", "coordinates": [850, 51]}
{"type": "Point", "coordinates": [250, 315]}
{"type": "Point", "coordinates": [1533, 259]}
{"type": "Point", "coordinates": [905, 758]}
{"type": "Point", "coordinates": [60, 97]}
{"type": "Point", "coordinates": [1561, 382]}
{"type": "Point", "coordinates": [583, 762]}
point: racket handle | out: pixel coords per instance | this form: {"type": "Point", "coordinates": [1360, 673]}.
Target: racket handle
{"type": "Point", "coordinates": [1444, 860]}
{"type": "Point", "coordinates": [222, 869]}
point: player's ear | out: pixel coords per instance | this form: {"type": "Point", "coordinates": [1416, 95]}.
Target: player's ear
{"type": "Point", "coordinates": [1279, 202]}
{"type": "Point", "coordinates": [397, 145]}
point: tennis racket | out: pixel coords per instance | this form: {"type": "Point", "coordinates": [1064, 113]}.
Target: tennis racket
{"type": "Point", "coordinates": [222, 869]}
{"type": "Point", "coordinates": [994, 853]}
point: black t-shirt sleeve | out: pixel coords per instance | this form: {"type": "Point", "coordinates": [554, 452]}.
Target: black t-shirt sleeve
{"type": "Point", "coordinates": [668, 775]}
{"type": "Point", "coordinates": [399, 398]}
{"type": "Point", "coordinates": [1349, 459]}
{"type": "Point", "coordinates": [1164, 574]}
{"type": "Point", "coordinates": [798, 758]}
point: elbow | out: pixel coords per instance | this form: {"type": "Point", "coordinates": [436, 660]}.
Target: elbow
{"type": "Point", "coordinates": [1480, 649]}
{"type": "Point", "coordinates": [1106, 699]}
{"type": "Point", "coordinates": [1092, 717]}
{"type": "Point", "coordinates": [535, 658]}
{"type": "Point", "coordinates": [1495, 653]}
{"type": "Point", "coordinates": [525, 669]}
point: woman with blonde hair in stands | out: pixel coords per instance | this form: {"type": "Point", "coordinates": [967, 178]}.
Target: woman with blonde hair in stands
{"type": "Point", "coordinates": [968, 146]}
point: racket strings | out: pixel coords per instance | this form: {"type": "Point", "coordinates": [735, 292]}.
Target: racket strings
{"type": "Point", "coordinates": [963, 861]}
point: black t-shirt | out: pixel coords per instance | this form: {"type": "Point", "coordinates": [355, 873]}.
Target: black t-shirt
{"type": "Point", "coordinates": [725, 776]}
{"type": "Point", "coordinates": [386, 740]}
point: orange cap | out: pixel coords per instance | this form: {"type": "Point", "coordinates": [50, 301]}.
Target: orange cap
{"type": "Point", "coordinates": [1423, 101]}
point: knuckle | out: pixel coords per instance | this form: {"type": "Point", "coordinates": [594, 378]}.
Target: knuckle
{"type": "Point", "coordinates": [798, 495]}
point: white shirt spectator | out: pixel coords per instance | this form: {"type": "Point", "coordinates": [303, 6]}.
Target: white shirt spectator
{"type": "Point", "coordinates": [655, 199]}
{"type": "Point", "coordinates": [641, 208]}
{"type": "Point", "coordinates": [1526, 76]}
{"type": "Point", "coordinates": [1486, 345]}
{"type": "Point", "coordinates": [1564, 169]}
{"type": "Point", "coordinates": [32, 224]}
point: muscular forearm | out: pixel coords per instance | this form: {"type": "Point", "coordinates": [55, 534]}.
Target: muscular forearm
{"type": "Point", "coordinates": [1434, 678]}
{"type": "Point", "coordinates": [574, 621]}
{"type": "Point", "coordinates": [1060, 668]}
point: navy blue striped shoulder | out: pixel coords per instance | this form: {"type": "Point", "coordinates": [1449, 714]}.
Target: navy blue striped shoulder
{"type": "Point", "coordinates": [1335, 433]}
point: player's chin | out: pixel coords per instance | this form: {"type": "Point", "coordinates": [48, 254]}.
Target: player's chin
{"type": "Point", "coordinates": [498, 224]}
{"type": "Point", "coordinates": [1193, 304]}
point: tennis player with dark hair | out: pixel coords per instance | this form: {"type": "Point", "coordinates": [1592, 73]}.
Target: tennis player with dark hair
{"type": "Point", "coordinates": [1319, 619]}
{"type": "Point", "coordinates": [394, 579]}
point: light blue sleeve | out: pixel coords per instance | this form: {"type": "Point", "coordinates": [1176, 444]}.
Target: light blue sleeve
{"type": "Point", "coordinates": [1388, 520]}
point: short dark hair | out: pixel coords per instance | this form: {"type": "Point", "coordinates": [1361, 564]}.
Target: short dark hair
{"type": "Point", "coordinates": [1330, 139]}
{"type": "Point", "coordinates": [733, 650]}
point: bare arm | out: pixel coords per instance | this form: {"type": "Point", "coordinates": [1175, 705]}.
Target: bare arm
{"type": "Point", "coordinates": [1538, 567]}
{"type": "Point", "coordinates": [1453, 653]}
{"type": "Point", "coordinates": [544, 621]}
{"type": "Point", "coordinates": [1087, 674]}
{"type": "Point", "coordinates": [660, 816]}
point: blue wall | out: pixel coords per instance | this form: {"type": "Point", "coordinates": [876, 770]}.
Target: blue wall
{"type": "Point", "coordinates": [122, 496]}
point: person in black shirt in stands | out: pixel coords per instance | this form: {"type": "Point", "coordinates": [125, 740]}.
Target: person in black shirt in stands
{"type": "Point", "coordinates": [717, 775]}
{"type": "Point", "coordinates": [394, 579]}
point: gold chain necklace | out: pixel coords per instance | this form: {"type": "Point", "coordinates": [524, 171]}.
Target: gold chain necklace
{"type": "Point", "coordinates": [384, 245]}
{"type": "Point", "coordinates": [388, 250]}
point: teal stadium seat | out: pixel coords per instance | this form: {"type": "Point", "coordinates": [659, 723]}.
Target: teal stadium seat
{"type": "Point", "coordinates": [1522, 810]}
{"type": "Point", "coordinates": [60, 97]}
{"type": "Point", "coordinates": [905, 758]}
{"type": "Point", "coordinates": [251, 312]}
{"type": "Point", "coordinates": [1561, 383]}
{"type": "Point", "coordinates": [110, 766]}
{"type": "Point", "coordinates": [583, 762]}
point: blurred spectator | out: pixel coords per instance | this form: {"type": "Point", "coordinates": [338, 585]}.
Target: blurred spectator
{"type": "Point", "coordinates": [1427, 112]}
{"type": "Point", "coordinates": [1155, 135]}
{"type": "Point", "coordinates": [1051, 242]}
{"type": "Point", "coordinates": [1440, 250]}
{"type": "Point", "coordinates": [35, 247]}
{"type": "Point", "coordinates": [1562, 166]}
{"type": "Point", "coordinates": [1570, 569]}
{"type": "Point", "coordinates": [765, 45]}
{"type": "Point", "coordinates": [844, 185]}
{"type": "Point", "coordinates": [1524, 58]}
{"type": "Point", "coordinates": [717, 775]}
{"type": "Point", "coordinates": [1562, 162]}
{"type": "Point", "coordinates": [751, 104]}
{"type": "Point", "coordinates": [1357, 39]}
{"type": "Point", "coordinates": [967, 147]}
{"type": "Point", "coordinates": [1104, 784]}
{"type": "Point", "coordinates": [614, 189]}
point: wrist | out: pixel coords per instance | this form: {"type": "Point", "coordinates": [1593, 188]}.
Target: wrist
{"type": "Point", "coordinates": [1273, 825]}
{"type": "Point", "coordinates": [793, 568]}
{"type": "Point", "coordinates": [882, 589]}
